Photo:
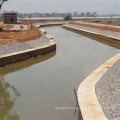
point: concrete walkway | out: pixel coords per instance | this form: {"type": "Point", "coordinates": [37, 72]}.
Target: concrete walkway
{"type": "Point", "coordinates": [88, 102]}
{"type": "Point", "coordinates": [17, 27]}
{"type": "Point", "coordinates": [104, 32]}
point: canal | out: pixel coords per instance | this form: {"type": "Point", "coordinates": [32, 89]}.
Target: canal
{"type": "Point", "coordinates": [42, 88]}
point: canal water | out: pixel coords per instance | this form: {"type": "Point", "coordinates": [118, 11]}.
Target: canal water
{"type": "Point", "coordinates": [42, 88]}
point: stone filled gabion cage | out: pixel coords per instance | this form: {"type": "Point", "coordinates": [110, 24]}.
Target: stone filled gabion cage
{"type": "Point", "coordinates": [10, 17]}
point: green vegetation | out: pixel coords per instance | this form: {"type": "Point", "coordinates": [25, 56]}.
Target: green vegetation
{"type": "Point", "coordinates": [68, 17]}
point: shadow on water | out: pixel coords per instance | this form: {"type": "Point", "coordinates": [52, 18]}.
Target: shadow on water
{"type": "Point", "coordinates": [24, 64]}
{"type": "Point", "coordinates": [7, 100]}
{"type": "Point", "coordinates": [98, 39]}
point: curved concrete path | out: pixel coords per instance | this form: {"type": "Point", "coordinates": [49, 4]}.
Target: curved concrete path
{"type": "Point", "coordinates": [88, 102]}
{"type": "Point", "coordinates": [17, 27]}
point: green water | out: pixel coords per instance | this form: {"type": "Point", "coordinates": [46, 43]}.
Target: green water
{"type": "Point", "coordinates": [42, 88]}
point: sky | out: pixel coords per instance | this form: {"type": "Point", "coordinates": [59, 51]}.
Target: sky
{"type": "Point", "coordinates": [63, 6]}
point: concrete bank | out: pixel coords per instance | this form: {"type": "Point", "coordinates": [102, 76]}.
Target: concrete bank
{"type": "Point", "coordinates": [104, 37]}
{"type": "Point", "coordinates": [25, 53]}
{"type": "Point", "coordinates": [51, 24]}
{"type": "Point", "coordinates": [26, 63]}
{"type": "Point", "coordinates": [108, 92]}
{"type": "Point", "coordinates": [87, 99]}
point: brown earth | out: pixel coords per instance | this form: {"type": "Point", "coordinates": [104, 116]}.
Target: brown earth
{"type": "Point", "coordinates": [6, 27]}
{"type": "Point", "coordinates": [95, 26]}
{"type": "Point", "coordinates": [9, 36]}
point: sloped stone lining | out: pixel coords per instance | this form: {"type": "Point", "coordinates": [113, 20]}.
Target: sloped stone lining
{"type": "Point", "coordinates": [112, 39]}
{"type": "Point", "coordinates": [25, 54]}
{"type": "Point", "coordinates": [88, 102]}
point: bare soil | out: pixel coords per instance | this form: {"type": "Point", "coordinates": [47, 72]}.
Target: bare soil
{"type": "Point", "coordinates": [9, 36]}
{"type": "Point", "coordinates": [6, 27]}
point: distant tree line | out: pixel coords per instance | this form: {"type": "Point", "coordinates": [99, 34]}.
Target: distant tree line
{"type": "Point", "coordinates": [68, 17]}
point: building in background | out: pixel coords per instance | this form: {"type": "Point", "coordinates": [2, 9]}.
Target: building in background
{"type": "Point", "coordinates": [88, 14]}
{"type": "Point", "coordinates": [10, 17]}
{"type": "Point", "coordinates": [94, 14]}
{"type": "Point", "coordinates": [75, 14]}
{"type": "Point", "coordinates": [82, 14]}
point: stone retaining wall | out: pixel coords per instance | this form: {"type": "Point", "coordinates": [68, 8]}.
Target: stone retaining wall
{"type": "Point", "coordinates": [52, 24]}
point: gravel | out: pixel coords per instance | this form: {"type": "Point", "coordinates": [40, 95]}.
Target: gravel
{"type": "Point", "coordinates": [111, 21]}
{"type": "Point", "coordinates": [108, 92]}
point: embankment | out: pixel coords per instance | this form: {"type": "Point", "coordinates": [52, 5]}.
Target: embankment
{"type": "Point", "coordinates": [107, 38]}
{"type": "Point", "coordinates": [88, 102]}
{"type": "Point", "coordinates": [28, 53]}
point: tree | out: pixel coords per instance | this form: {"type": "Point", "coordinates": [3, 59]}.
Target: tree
{"type": "Point", "coordinates": [1, 2]}
{"type": "Point", "coordinates": [68, 17]}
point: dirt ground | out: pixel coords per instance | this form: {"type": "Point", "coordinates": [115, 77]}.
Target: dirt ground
{"type": "Point", "coordinates": [6, 27]}
{"type": "Point", "coordinates": [9, 36]}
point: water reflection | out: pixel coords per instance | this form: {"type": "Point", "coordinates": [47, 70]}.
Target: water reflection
{"type": "Point", "coordinates": [24, 64]}
{"type": "Point", "coordinates": [8, 92]}
{"type": "Point", "coordinates": [7, 100]}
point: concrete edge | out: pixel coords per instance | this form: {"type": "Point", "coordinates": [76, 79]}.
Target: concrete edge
{"type": "Point", "coordinates": [105, 37]}
{"type": "Point", "coordinates": [87, 99]}
{"type": "Point", "coordinates": [26, 54]}
{"type": "Point", "coordinates": [51, 24]}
